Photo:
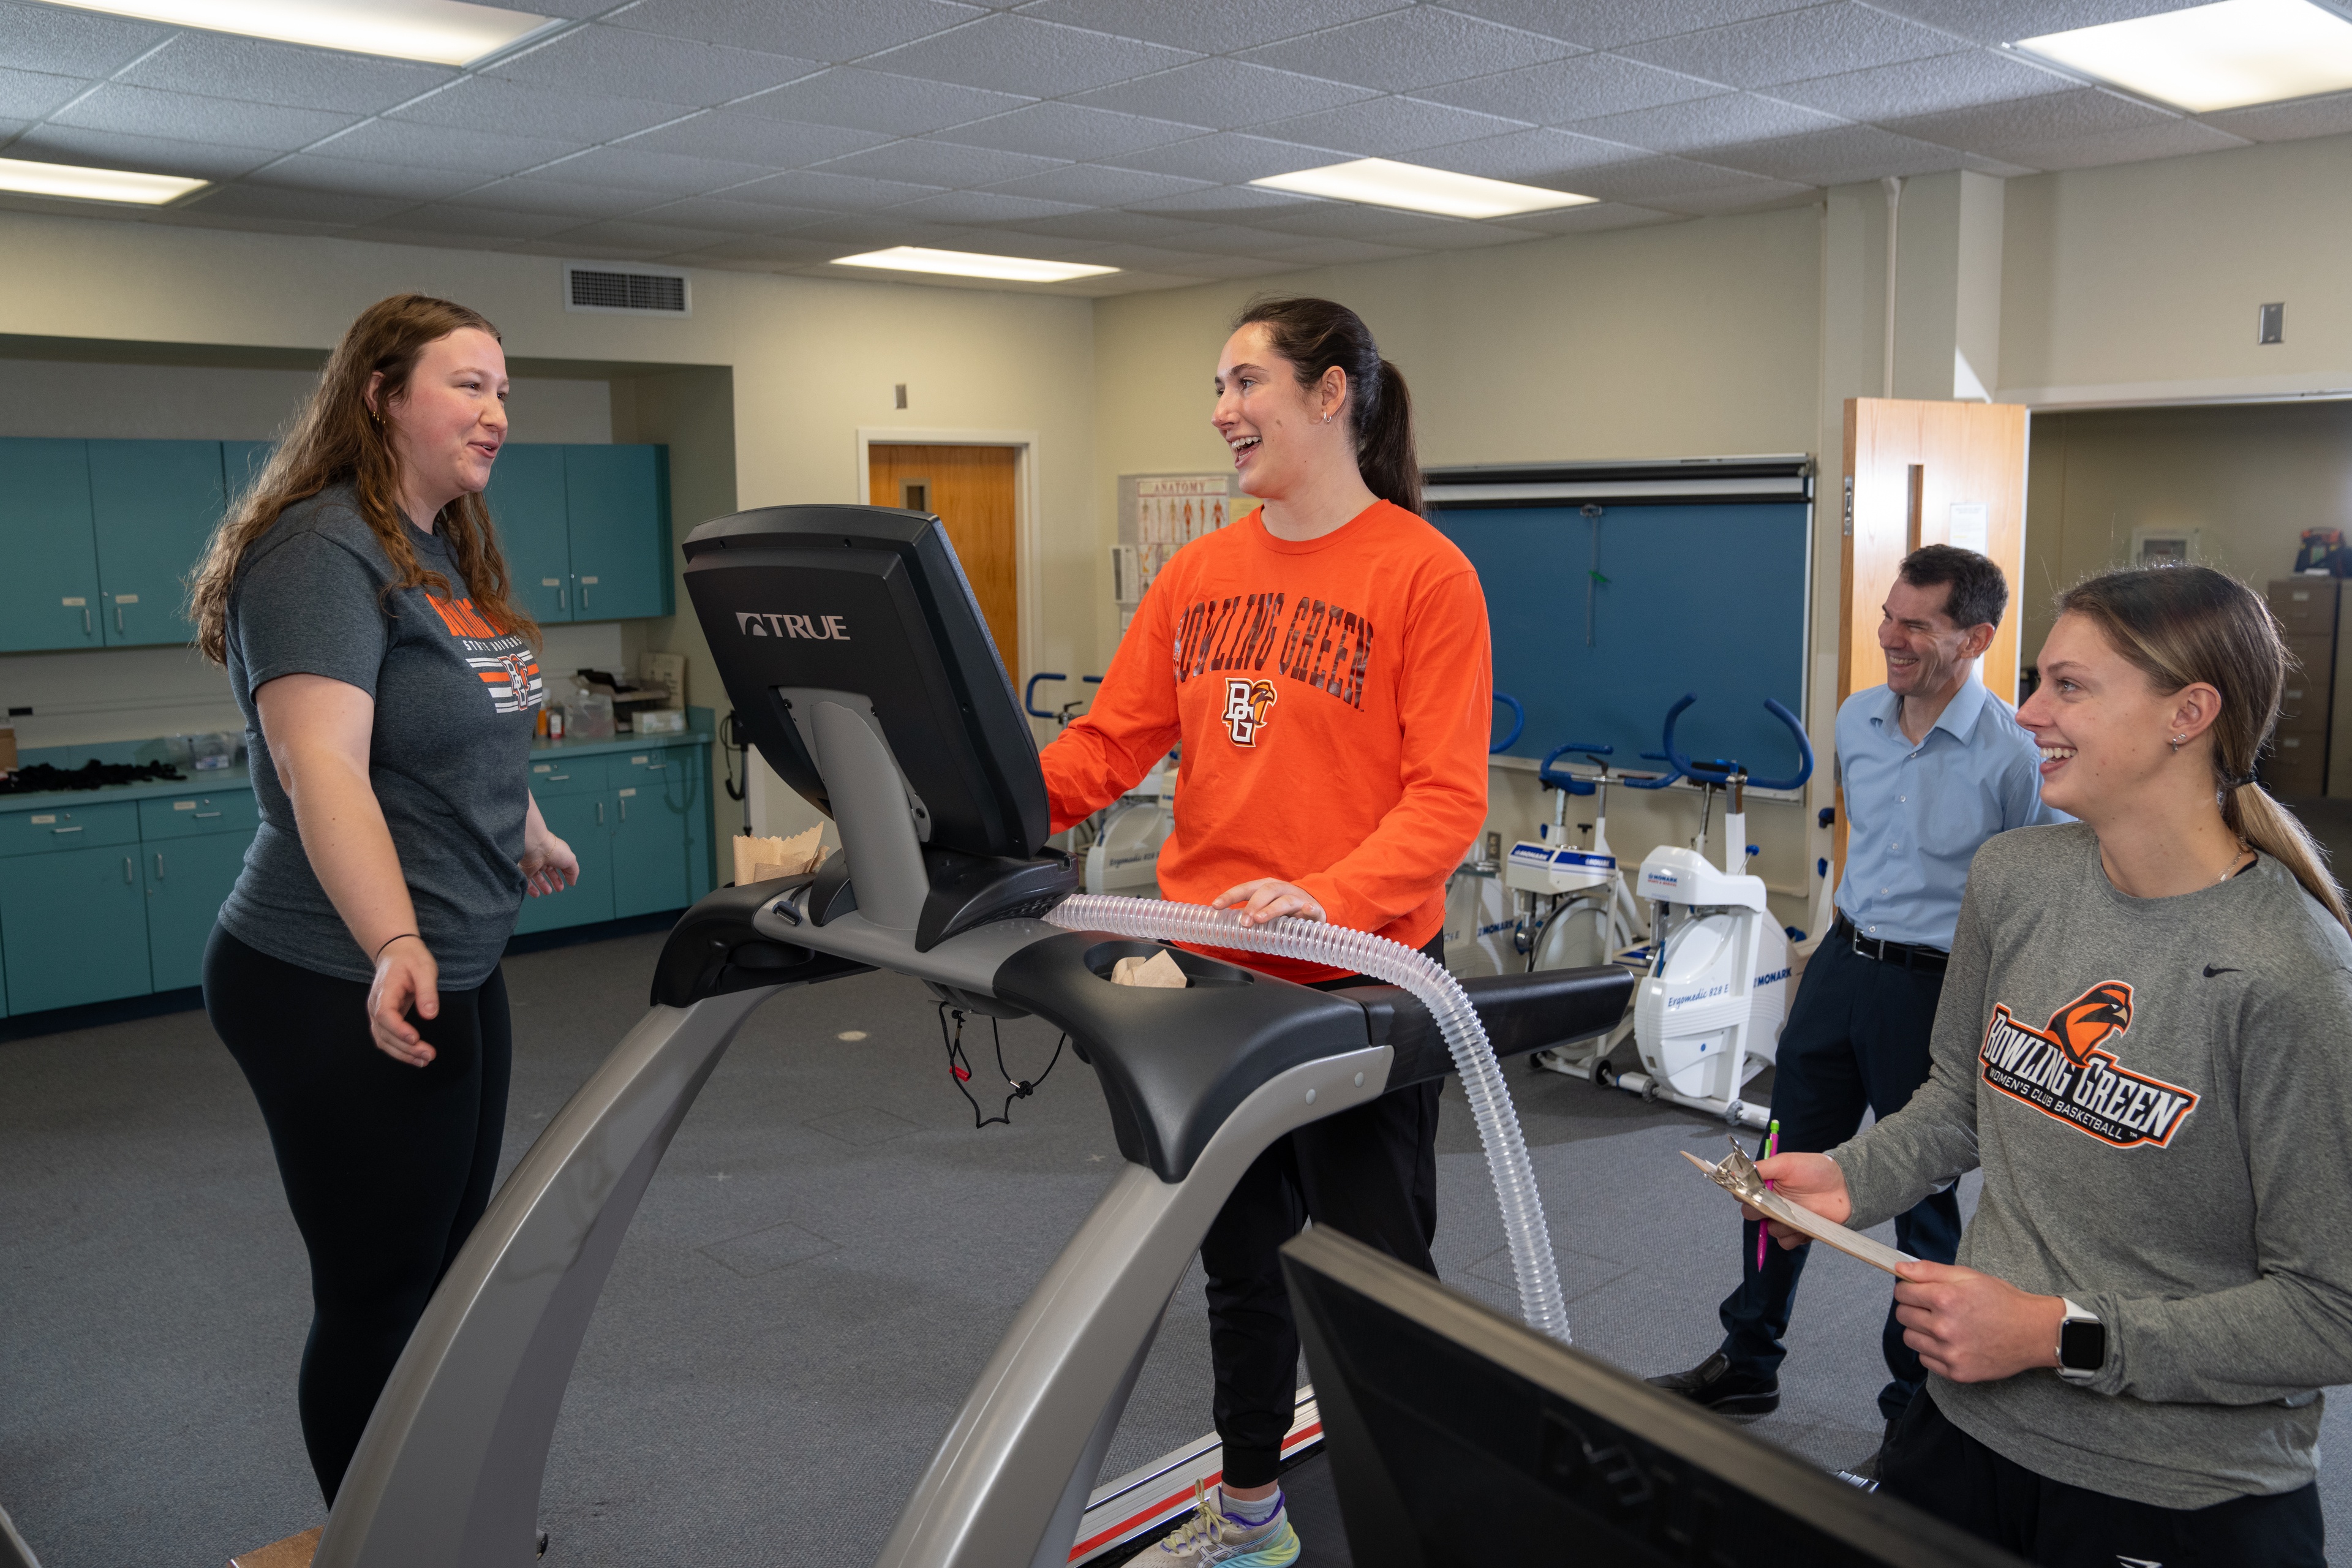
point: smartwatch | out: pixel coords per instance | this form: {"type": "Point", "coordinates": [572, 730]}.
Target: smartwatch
{"type": "Point", "coordinates": [2081, 1345]}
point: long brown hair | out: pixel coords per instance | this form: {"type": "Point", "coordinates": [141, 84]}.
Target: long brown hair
{"type": "Point", "coordinates": [1314, 335]}
{"type": "Point", "coordinates": [2181, 625]}
{"type": "Point", "coordinates": [335, 439]}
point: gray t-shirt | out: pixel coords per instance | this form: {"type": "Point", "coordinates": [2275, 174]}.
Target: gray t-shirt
{"type": "Point", "coordinates": [2159, 1091]}
{"type": "Point", "coordinates": [454, 706]}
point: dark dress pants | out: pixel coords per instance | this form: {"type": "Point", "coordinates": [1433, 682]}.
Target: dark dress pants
{"type": "Point", "coordinates": [1855, 1040]}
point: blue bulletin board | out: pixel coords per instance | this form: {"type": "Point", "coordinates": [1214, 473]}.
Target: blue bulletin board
{"type": "Point", "coordinates": [1601, 621]}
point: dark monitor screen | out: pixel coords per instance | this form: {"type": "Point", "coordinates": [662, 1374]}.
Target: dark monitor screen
{"type": "Point", "coordinates": [1459, 1436]}
{"type": "Point", "coordinates": [802, 602]}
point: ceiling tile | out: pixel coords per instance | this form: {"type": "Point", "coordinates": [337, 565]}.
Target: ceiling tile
{"type": "Point", "coordinates": [1542, 156]}
{"type": "Point", "coordinates": [1407, 49]}
{"type": "Point", "coordinates": [571, 249]}
{"type": "Point", "coordinates": [2327, 116]}
{"type": "Point", "coordinates": [1227, 157]}
{"type": "Point", "coordinates": [440, 147]}
{"type": "Point", "coordinates": [32, 95]}
{"type": "Point", "coordinates": [1124, 227]}
{"type": "Point", "coordinates": [187, 117]}
{"type": "Point", "coordinates": [1596, 216]}
{"type": "Point", "coordinates": [2006, 21]}
{"type": "Point", "coordinates": [661, 237]}
{"type": "Point", "coordinates": [937, 162]}
{"type": "Point", "coordinates": [359, 177]}
{"type": "Point", "coordinates": [827, 192]}
{"type": "Point", "coordinates": [865, 231]}
{"type": "Point", "coordinates": [1839, 156]}
{"type": "Point", "coordinates": [1235, 239]}
{"type": "Point", "coordinates": [752, 139]}
{"type": "Point", "coordinates": [1925, 87]}
{"type": "Point", "coordinates": [728, 216]}
{"type": "Point", "coordinates": [559, 197]}
{"type": "Point", "coordinates": [769, 248]}
{"type": "Point", "coordinates": [1649, 180]}
{"type": "Point", "coordinates": [1018, 54]}
{"type": "Point", "coordinates": [1339, 220]}
{"type": "Point", "coordinates": [828, 30]}
{"type": "Point", "coordinates": [479, 223]}
{"type": "Point", "coordinates": [244, 201]}
{"type": "Point", "coordinates": [1584, 87]}
{"type": "Point", "coordinates": [2053, 115]}
{"type": "Point", "coordinates": [2164, 138]}
{"type": "Point", "coordinates": [1736, 198]}
{"type": "Point", "coordinates": [981, 206]}
{"type": "Point", "coordinates": [1727, 119]}
{"type": "Point", "coordinates": [877, 101]}
{"type": "Point", "coordinates": [671, 173]}
{"type": "Point", "coordinates": [1453, 234]}
{"type": "Point", "coordinates": [55, 143]}
{"type": "Point", "coordinates": [1817, 41]}
{"type": "Point", "coordinates": [263, 73]}
{"type": "Point", "coordinates": [1070, 131]}
{"type": "Point", "coordinates": [1210, 27]}
{"type": "Point", "coordinates": [495, 105]}
{"type": "Point", "coordinates": [1224, 95]}
{"type": "Point", "coordinates": [1389, 127]}
{"type": "Point", "coordinates": [1233, 266]}
{"type": "Point", "coordinates": [1223, 204]}
{"type": "Point", "coordinates": [1151, 259]}
{"type": "Point", "coordinates": [1605, 24]}
{"type": "Point", "coordinates": [603, 59]}
{"type": "Point", "coordinates": [74, 43]}
{"type": "Point", "coordinates": [1336, 253]}
{"type": "Point", "coordinates": [1098, 185]}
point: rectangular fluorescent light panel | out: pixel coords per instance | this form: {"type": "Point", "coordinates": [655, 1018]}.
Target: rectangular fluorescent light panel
{"type": "Point", "coordinates": [2214, 56]}
{"type": "Point", "coordinates": [1380, 183]}
{"type": "Point", "coordinates": [92, 184]}
{"type": "Point", "coordinates": [971, 264]}
{"type": "Point", "coordinates": [442, 32]}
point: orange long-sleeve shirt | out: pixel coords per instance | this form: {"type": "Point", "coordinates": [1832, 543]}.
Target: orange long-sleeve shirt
{"type": "Point", "coordinates": [1334, 700]}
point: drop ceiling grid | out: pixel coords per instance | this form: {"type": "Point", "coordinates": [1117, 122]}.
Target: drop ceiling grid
{"type": "Point", "coordinates": [756, 134]}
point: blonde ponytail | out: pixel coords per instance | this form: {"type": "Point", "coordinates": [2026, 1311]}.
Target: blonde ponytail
{"type": "Point", "coordinates": [2263, 822]}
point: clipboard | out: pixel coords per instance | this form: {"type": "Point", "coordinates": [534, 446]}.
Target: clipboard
{"type": "Point", "coordinates": [1736, 1174]}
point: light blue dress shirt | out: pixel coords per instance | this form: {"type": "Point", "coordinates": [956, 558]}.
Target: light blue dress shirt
{"type": "Point", "coordinates": [1915, 815]}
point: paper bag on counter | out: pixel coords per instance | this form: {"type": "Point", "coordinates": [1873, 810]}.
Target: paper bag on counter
{"type": "Point", "coordinates": [1158, 970]}
{"type": "Point", "coordinates": [764, 859]}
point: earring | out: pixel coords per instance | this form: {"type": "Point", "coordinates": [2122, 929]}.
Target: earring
{"type": "Point", "coordinates": [2179, 740]}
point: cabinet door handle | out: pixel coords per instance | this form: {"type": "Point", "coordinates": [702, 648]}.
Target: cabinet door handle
{"type": "Point", "coordinates": [130, 873]}
{"type": "Point", "coordinates": [203, 814]}
{"type": "Point", "coordinates": [562, 598]}
{"type": "Point", "coordinates": [65, 830]}
{"type": "Point", "coordinates": [624, 811]}
{"type": "Point", "coordinates": [599, 814]}
{"type": "Point", "coordinates": [85, 620]}
{"type": "Point", "coordinates": [118, 618]}
{"type": "Point", "coordinates": [158, 865]}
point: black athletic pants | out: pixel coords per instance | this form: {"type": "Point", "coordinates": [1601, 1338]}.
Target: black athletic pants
{"type": "Point", "coordinates": [386, 1166]}
{"type": "Point", "coordinates": [1933, 1465]}
{"type": "Point", "coordinates": [1856, 1037]}
{"type": "Point", "coordinates": [1370, 1173]}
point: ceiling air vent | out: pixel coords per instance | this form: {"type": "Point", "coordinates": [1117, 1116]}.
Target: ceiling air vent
{"type": "Point", "coordinates": [626, 291]}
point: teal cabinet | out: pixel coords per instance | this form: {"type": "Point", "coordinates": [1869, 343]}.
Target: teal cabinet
{"type": "Point", "coordinates": [49, 592]}
{"type": "Point", "coordinates": [580, 821]}
{"type": "Point", "coordinates": [241, 464]}
{"type": "Point", "coordinates": [187, 879]}
{"type": "Point", "coordinates": [617, 502]}
{"type": "Point", "coordinates": [154, 505]}
{"type": "Point", "coordinates": [72, 927]}
{"type": "Point", "coordinates": [651, 806]}
{"type": "Point", "coordinates": [527, 504]}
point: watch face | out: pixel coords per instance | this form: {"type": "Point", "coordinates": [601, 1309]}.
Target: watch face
{"type": "Point", "coordinates": [2082, 1345]}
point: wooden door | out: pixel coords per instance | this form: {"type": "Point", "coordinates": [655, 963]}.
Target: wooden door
{"type": "Point", "coordinates": [970, 489]}
{"type": "Point", "coordinates": [1914, 471]}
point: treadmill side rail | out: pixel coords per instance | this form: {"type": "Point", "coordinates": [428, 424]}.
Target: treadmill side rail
{"type": "Point", "coordinates": [1011, 1479]}
{"type": "Point", "coordinates": [450, 1468]}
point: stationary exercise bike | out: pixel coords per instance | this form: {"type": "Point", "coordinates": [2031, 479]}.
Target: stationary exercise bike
{"type": "Point", "coordinates": [1480, 920]}
{"type": "Point", "coordinates": [1708, 1016]}
{"type": "Point", "coordinates": [1575, 906]}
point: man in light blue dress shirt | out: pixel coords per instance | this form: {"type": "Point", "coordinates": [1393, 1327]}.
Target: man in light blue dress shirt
{"type": "Point", "coordinates": [1933, 764]}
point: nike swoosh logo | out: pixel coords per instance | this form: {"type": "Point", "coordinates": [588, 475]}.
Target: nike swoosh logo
{"type": "Point", "coordinates": [2209, 972]}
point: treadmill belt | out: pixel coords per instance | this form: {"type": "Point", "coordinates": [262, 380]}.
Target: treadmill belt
{"type": "Point", "coordinates": [1315, 1512]}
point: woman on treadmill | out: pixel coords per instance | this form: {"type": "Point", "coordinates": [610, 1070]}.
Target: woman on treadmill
{"type": "Point", "coordinates": [1324, 662]}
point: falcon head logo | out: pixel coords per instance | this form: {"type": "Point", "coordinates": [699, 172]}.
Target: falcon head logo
{"type": "Point", "coordinates": [2091, 1019]}
{"type": "Point", "coordinates": [1247, 703]}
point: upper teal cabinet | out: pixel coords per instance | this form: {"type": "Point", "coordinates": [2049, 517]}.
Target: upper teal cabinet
{"type": "Point", "coordinates": [154, 504]}
{"type": "Point", "coordinates": [527, 506]}
{"type": "Point", "coordinates": [618, 501]}
{"type": "Point", "coordinates": [49, 594]}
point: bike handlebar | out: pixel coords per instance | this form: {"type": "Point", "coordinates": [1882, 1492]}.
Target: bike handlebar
{"type": "Point", "coordinates": [1721, 769]}
{"type": "Point", "coordinates": [1570, 782]}
{"type": "Point", "coordinates": [1519, 722]}
{"type": "Point", "coordinates": [1029, 694]}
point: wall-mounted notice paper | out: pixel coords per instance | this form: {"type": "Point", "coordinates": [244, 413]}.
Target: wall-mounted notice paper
{"type": "Point", "coordinates": [1969, 529]}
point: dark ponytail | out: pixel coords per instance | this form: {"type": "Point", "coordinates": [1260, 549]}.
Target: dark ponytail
{"type": "Point", "coordinates": [1314, 335]}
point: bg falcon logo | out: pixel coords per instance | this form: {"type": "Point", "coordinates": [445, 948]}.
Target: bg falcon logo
{"type": "Point", "coordinates": [1246, 704]}
{"type": "Point", "coordinates": [2064, 1071]}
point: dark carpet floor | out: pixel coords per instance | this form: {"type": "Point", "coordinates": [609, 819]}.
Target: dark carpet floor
{"type": "Point", "coordinates": [819, 1270]}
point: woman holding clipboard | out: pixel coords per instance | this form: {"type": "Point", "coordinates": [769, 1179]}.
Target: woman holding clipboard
{"type": "Point", "coordinates": [2145, 1041]}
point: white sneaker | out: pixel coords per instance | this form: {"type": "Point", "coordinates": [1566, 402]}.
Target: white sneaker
{"type": "Point", "coordinates": [1213, 1536]}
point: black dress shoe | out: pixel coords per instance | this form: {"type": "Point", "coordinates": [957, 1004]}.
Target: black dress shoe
{"type": "Point", "coordinates": [1870, 1469]}
{"type": "Point", "coordinates": [542, 1544]}
{"type": "Point", "coordinates": [1713, 1383]}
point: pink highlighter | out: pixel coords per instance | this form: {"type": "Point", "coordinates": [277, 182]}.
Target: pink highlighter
{"type": "Point", "coordinates": [1771, 1147]}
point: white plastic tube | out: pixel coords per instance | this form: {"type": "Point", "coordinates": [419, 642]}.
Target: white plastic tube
{"type": "Point", "coordinates": [1457, 1020]}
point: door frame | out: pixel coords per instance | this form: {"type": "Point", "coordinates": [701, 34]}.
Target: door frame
{"type": "Point", "coordinates": [1027, 560]}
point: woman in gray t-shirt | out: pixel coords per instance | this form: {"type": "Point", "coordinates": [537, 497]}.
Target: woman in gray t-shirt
{"type": "Point", "coordinates": [359, 599]}
{"type": "Point", "coordinates": [2142, 1043]}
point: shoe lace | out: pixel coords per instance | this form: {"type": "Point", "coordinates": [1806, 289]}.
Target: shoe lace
{"type": "Point", "coordinates": [1206, 1520]}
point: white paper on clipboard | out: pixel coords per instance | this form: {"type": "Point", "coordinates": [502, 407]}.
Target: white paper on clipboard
{"type": "Point", "coordinates": [1736, 1174]}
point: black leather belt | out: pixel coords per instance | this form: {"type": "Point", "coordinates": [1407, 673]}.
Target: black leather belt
{"type": "Point", "coordinates": [1903, 954]}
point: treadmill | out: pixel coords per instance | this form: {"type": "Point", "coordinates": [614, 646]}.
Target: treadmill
{"type": "Point", "coordinates": [853, 650]}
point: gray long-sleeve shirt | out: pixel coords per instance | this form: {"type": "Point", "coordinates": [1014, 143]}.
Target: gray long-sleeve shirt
{"type": "Point", "coordinates": [2159, 1091]}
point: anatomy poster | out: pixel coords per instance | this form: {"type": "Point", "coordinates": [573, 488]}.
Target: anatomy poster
{"type": "Point", "coordinates": [1161, 513]}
